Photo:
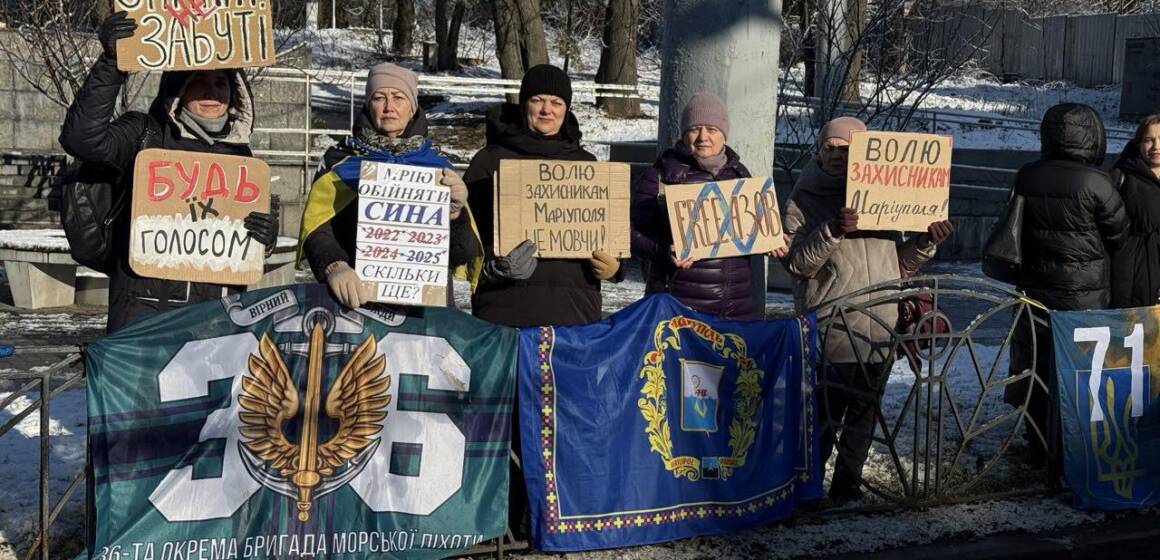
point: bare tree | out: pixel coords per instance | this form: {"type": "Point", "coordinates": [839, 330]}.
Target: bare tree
{"type": "Point", "coordinates": [403, 41]}
{"type": "Point", "coordinates": [618, 57]}
{"type": "Point", "coordinates": [935, 44]}
{"type": "Point", "coordinates": [52, 46]}
{"type": "Point", "coordinates": [519, 37]}
{"type": "Point", "coordinates": [447, 34]}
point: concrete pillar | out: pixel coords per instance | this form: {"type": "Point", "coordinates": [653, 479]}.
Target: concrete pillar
{"type": "Point", "coordinates": [730, 49]}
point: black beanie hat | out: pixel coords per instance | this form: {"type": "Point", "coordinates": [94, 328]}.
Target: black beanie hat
{"type": "Point", "coordinates": [545, 79]}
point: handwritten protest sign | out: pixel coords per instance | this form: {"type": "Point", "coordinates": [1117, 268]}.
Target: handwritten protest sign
{"type": "Point", "coordinates": [724, 219]}
{"type": "Point", "coordinates": [899, 181]}
{"type": "Point", "coordinates": [197, 34]}
{"type": "Point", "coordinates": [188, 213]}
{"type": "Point", "coordinates": [404, 233]}
{"type": "Point", "coordinates": [569, 208]}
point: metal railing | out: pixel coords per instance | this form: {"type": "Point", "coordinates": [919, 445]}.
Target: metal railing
{"type": "Point", "coordinates": [929, 120]}
{"type": "Point", "coordinates": [954, 427]}
{"type": "Point", "coordinates": [48, 382]}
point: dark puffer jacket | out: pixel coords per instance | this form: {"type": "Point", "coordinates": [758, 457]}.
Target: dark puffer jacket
{"type": "Point", "coordinates": [91, 134]}
{"type": "Point", "coordinates": [1072, 217]}
{"type": "Point", "coordinates": [1136, 266]}
{"type": "Point", "coordinates": [717, 286]}
{"type": "Point", "coordinates": [560, 292]}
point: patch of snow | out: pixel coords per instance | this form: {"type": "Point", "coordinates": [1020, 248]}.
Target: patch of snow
{"type": "Point", "coordinates": [48, 240]}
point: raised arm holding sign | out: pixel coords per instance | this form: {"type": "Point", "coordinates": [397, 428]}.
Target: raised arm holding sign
{"type": "Point", "coordinates": [196, 34]}
{"type": "Point", "coordinates": [899, 181]}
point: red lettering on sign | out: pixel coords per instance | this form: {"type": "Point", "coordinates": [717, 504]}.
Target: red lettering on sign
{"type": "Point", "coordinates": [247, 191]}
{"type": "Point", "coordinates": [158, 187]}
{"type": "Point", "coordinates": [189, 179]}
{"type": "Point", "coordinates": [215, 183]}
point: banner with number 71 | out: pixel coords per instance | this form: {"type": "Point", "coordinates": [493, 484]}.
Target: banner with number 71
{"type": "Point", "coordinates": [1107, 364]}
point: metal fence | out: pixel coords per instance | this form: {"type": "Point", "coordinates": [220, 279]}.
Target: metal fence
{"type": "Point", "coordinates": [934, 401]}
{"type": "Point", "coordinates": [47, 383]}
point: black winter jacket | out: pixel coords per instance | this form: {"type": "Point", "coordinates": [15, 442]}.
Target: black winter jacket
{"type": "Point", "coordinates": [90, 134]}
{"type": "Point", "coordinates": [717, 286]}
{"type": "Point", "coordinates": [1136, 266]}
{"type": "Point", "coordinates": [559, 292]}
{"type": "Point", "coordinates": [1072, 217]}
{"type": "Point", "coordinates": [335, 240]}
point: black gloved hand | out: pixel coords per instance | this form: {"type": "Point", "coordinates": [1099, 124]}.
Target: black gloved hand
{"type": "Point", "coordinates": [117, 26]}
{"type": "Point", "coordinates": [263, 228]}
{"type": "Point", "coordinates": [519, 264]}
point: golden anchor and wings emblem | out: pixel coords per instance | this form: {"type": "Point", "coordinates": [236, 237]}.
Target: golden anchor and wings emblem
{"type": "Point", "coordinates": [309, 469]}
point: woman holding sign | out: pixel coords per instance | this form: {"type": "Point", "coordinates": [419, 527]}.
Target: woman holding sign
{"type": "Point", "coordinates": [720, 287]}
{"type": "Point", "coordinates": [391, 128]}
{"type": "Point", "coordinates": [201, 111]}
{"type": "Point", "coordinates": [830, 257]}
{"type": "Point", "coordinates": [517, 289]}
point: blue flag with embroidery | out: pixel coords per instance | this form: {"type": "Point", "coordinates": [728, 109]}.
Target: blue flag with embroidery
{"type": "Point", "coordinates": [1109, 406]}
{"type": "Point", "coordinates": [661, 423]}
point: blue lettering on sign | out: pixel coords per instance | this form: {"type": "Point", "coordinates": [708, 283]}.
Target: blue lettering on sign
{"type": "Point", "coordinates": [743, 243]}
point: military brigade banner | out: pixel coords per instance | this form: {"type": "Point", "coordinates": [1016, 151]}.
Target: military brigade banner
{"type": "Point", "coordinates": [1108, 405]}
{"type": "Point", "coordinates": [280, 425]}
{"type": "Point", "coordinates": [662, 423]}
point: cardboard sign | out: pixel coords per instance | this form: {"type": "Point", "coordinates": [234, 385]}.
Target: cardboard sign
{"type": "Point", "coordinates": [569, 208]}
{"type": "Point", "coordinates": [188, 214]}
{"type": "Point", "coordinates": [404, 233]}
{"type": "Point", "coordinates": [197, 34]}
{"type": "Point", "coordinates": [724, 219]}
{"type": "Point", "coordinates": [899, 181]}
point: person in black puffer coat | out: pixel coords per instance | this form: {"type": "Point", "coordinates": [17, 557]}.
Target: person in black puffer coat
{"type": "Point", "coordinates": [1136, 266]}
{"type": "Point", "coordinates": [206, 111]}
{"type": "Point", "coordinates": [1073, 219]}
{"type": "Point", "coordinates": [720, 287]}
{"type": "Point", "coordinates": [519, 290]}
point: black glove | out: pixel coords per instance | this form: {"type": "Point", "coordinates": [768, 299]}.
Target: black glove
{"type": "Point", "coordinates": [517, 265]}
{"type": "Point", "coordinates": [263, 228]}
{"type": "Point", "coordinates": [117, 26]}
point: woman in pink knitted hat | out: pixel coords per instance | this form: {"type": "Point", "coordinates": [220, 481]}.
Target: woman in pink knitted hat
{"type": "Point", "coordinates": [829, 258]}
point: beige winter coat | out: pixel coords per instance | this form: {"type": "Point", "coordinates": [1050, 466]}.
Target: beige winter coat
{"type": "Point", "coordinates": [827, 265]}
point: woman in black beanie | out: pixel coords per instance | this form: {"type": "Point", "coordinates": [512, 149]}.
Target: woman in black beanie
{"type": "Point", "coordinates": [519, 290]}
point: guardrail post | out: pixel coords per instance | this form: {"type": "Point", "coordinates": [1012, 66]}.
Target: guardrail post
{"type": "Point", "coordinates": [306, 143]}
{"type": "Point", "coordinates": [44, 465]}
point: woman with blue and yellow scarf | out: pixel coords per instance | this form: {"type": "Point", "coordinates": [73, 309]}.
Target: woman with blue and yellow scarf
{"type": "Point", "coordinates": [391, 128]}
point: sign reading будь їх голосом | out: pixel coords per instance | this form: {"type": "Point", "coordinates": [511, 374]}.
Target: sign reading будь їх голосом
{"type": "Point", "coordinates": [188, 217]}
{"type": "Point", "coordinates": [899, 181]}
{"type": "Point", "coordinates": [197, 34]}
